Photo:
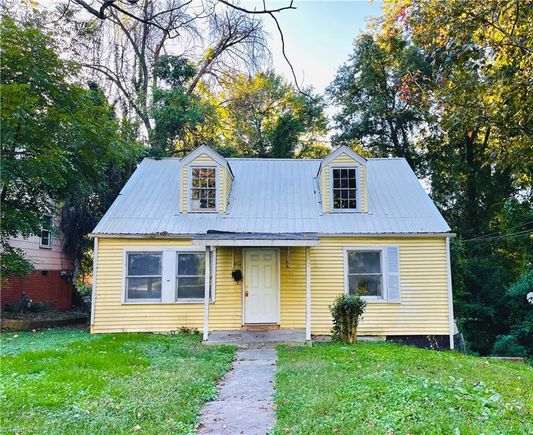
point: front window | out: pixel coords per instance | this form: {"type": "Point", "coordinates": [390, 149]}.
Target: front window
{"type": "Point", "coordinates": [46, 232]}
{"type": "Point", "coordinates": [203, 189]}
{"type": "Point", "coordinates": [143, 277]}
{"type": "Point", "coordinates": [365, 275]}
{"type": "Point", "coordinates": [190, 275]}
{"type": "Point", "coordinates": [344, 188]}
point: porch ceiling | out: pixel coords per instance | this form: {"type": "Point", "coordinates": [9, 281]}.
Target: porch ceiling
{"type": "Point", "coordinates": [216, 238]}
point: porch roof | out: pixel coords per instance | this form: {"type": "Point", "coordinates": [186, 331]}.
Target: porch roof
{"type": "Point", "coordinates": [218, 238]}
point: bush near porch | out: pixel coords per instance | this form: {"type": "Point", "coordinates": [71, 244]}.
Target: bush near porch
{"type": "Point", "coordinates": [388, 388]}
{"type": "Point", "coordinates": [68, 381]}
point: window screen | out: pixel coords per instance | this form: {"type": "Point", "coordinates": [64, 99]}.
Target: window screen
{"type": "Point", "coordinates": [190, 275]}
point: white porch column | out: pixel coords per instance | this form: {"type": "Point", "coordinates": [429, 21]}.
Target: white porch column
{"type": "Point", "coordinates": [307, 295]}
{"type": "Point", "coordinates": [206, 293]}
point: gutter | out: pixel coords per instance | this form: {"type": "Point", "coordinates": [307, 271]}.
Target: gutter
{"type": "Point", "coordinates": [192, 236]}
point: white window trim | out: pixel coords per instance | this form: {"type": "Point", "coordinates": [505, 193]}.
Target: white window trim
{"type": "Point", "coordinates": [125, 299]}
{"type": "Point", "coordinates": [50, 236]}
{"type": "Point", "coordinates": [189, 187]}
{"type": "Point", "coordinates": [166, 275]}
{"type": "Point", "coordinates": [358, 196]}
{"type": "Point", "coordinates": [382, 249]}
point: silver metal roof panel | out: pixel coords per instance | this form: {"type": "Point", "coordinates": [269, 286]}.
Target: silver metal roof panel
{"type": "Point", "coordinates": [272, 196]}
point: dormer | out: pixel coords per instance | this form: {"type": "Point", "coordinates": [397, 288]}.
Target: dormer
{"type": "Point", "coordinates": [206, 179]}
{"type": "Point", "coordinates": [342, 181]}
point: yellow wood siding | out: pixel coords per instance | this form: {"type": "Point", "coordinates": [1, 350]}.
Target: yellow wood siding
{"type": "Point", "coordinates": [111, 315]}
{"type": "Point", "coordinates": [325, 187]}
{"type": "Point", "coordinates": [292, 294]}
{"type": "Point", "coordinates": [423, 280]}
{"type": "Point", "coordinates": [224, 183]}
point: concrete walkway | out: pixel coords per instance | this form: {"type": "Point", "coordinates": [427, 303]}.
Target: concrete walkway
{"type": "Point", "coordinates": [244, 404]}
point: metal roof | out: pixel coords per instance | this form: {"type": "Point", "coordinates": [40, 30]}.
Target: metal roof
{"type": "Point", "coordinates": [273, 196]}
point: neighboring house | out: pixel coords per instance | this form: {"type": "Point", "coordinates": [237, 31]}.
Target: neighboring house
{"type": "Point", "coordinates": [51, 281]}
{"type": "Point", "coordinates": [172, 248]}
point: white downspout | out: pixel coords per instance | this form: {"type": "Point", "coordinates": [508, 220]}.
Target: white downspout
{"type": "Point", "coordinates": [450, 294]}
{"type": "Point", "coordinates": [307, 295]}
{"type": "Point", "coordinates": [206, 293]}
{"type": "Point", "coordinates": [93, 292]}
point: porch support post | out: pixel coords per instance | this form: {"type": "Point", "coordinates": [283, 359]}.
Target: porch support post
{"type": "Point", "coordinates": [307, 295]}
{"type": "Point", "coordinates": [206, 293]}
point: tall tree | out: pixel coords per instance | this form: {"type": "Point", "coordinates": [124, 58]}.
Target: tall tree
{"type": "Point", "coordinates": [372, 91]}
{"type": "Point", "coordinates": [480, 158]}
{"type": "Point", "coordinates": [57, 136]}
{"type": "Point", "coordinates": [121, 52]}
{"type": "Point", "coordinates": [265, 116]}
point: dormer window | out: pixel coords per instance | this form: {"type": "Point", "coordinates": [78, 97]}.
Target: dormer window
{"type": "Point", "coordinates": [344, 188]}
{"type": "Point", "coordinates": [203, 189]}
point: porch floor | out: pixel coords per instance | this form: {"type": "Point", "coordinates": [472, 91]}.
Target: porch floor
{"type": "Point", "coordinates": [245, 338]}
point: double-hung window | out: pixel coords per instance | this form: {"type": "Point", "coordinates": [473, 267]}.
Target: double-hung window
{"type": "Point", "coordinates": [344, 188]}
{"type": "Point", "coordinates": [144, 276]}
{"type": "Point", "coordinates": [365, 273]}
{"type": "Point", "coordinates": [203, 189]}
{"type": "Point", "coordinates": [190, 275]}
{"type": "Point", "coordinates": [46, 232]}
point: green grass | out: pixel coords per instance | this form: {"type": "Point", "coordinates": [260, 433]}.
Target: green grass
{"type": "Point", "coordinates": [386, 388]}
{"type": "Point", "coordinates": [68, 381]}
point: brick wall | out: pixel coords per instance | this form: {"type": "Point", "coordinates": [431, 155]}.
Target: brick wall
{"type": "Point", "coordinates": [40, 286]}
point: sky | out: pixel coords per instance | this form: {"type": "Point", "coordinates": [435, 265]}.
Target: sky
{"type": "Point", "coordinates": [318, 36]}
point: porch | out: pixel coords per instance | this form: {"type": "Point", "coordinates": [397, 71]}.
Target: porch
{"type": "Point", "coordinates": [251, 338]}
{"type": "Point", "coordinates": [273, 290]}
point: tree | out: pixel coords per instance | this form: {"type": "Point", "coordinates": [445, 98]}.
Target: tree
{"type": "Point", "coordinates": [57, 136]}
{"type": "Point", "coordinates": [175, 111]}
{"type": "Point", "coordinates": [479, 157]}
{"type": "Point", "coordinates": [121, 52]}
{"type": "Point", "coordinates": [264, 116]}
{"type": "Point", "coordinates": [372, 91]}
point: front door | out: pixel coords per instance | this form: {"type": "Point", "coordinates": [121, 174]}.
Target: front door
{"type": "Point", "coordinates": [261, 286]}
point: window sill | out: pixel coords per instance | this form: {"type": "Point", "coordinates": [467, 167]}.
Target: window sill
{"type": "Point", "coordinates": [159, 302]}
{"type": "Point", "coordinates": [371, 300]}
{"type": "Point", "coordinates": [45, 247]}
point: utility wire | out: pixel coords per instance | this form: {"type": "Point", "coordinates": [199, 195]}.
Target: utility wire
{"type": "Point", "coordinates": [497, 232]}
{"type": "Point", "coordinates": [488, 239]}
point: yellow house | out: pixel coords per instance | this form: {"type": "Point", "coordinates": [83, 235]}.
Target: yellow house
{"type": "Point", "coordinates": [224, 244]}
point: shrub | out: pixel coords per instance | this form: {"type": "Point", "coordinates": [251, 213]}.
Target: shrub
{"type": "Point", "coordinates": [347, 311]}
{"type": "Point", "coordinates": [84, 289]}
{"type": "Point", "coordinates": [507, 345]}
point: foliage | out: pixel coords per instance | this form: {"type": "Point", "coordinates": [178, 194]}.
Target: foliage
{"type": "Point", "coordinates": [13, 261]}
{"type": "Point", "coordinates": [376, 108]}
{"type": "Point", "coordinates": [73, 382]}
{"type": "Point", "coordinates": [507, 345]}
{"type": "Point", "coordinates": [175, 111]}
{"type": "Point", "coordinates": [389, 388]}
{"type": "Point", "coordinates": [452, 78]}
{"type": "Point", "coordinates": [347, 310]}
{"type": "Point", "coordinates": [58, 137]}
{"type": "Point", "coordinates": [262, 116]}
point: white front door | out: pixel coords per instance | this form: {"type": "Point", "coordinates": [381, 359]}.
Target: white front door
{"type": "Point", "coordinates": [261, 286]}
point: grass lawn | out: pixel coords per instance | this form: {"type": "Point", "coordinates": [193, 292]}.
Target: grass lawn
{"type": "Point", "coordinates": [68, 381]}
{"type": "Point", "coordinates": [387, 388]}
